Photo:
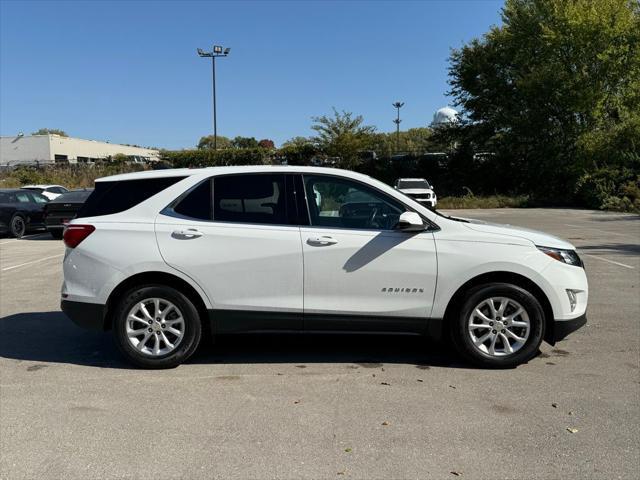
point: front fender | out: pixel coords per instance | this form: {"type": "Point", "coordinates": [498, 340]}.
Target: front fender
{"type": "Point", "coordinates": [458, 264]}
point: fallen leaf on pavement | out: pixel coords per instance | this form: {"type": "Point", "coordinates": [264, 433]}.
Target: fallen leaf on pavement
{"type": "Point", "coordinates": [572, 430]}
{"type": "Point", "coordinates": [554, 405]}
{"type": "Point", "coordinates": [451, 386]}
{"type": "Point", "coordinates": [457, 474]}
{"type": "Point", "coordinates": [419, 380]}
{"type": "Point", "coordinates": [385, 423]}
{"type": "Point", "coordinates": [348, 450]}
{"type": "Point", "coordinates": [385, 383]}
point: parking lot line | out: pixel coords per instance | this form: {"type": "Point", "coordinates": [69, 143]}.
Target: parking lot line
{"type": "Point", "coordinates": [14, 240]}
{"type": "Point", "coordinates": [32, 262]}
{"type": "Point", "coordinates": [607, 260]}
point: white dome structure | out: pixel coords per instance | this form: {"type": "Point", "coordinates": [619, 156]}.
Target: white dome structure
{"type": "Point", "coordinates": [444, 116]}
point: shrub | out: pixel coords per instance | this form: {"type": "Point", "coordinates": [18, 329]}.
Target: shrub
{"type": "Point", "coordinates": [217, 158]}
{"type": "Point", "coordinates": [610, 189]}
{"type": "Point", "coordinates": [70, 176]}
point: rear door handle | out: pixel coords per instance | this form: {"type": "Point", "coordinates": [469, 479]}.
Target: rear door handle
{"type": "Point", "coordinates": [322, 241]}
{"type": "Point", "coordinates": [187, 233]}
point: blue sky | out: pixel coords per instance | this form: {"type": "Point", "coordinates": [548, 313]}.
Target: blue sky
{"type": "Point", "coordinates": [127, 72]}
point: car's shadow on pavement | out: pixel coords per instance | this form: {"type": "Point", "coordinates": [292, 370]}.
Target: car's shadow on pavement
{"type": "Point", "coordinates": [52, 337]}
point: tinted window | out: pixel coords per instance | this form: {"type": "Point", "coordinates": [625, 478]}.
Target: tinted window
{"type": "Point", "coordinates": [57, 190]}
{"type": "Point", "coordinates": [35, 189]}
{"type": "Point", "coordinates": [197, 203]}
{"type": "Point", "coordinates": [73, 197]}
{"type": "Point", "coordinates": [257, 198]}
{"type": "Point", "coordinates": [413, 184]}
{"type": "Point", "coordinates": [341, 203]}
{"type": "Point", "coordinates": [6, 198]}
{"type": "Point", "coordinates": [114, 197]}
{"type": "Point", "coordinates": [23, 197]}
{"type": "Point", "coordinates": [39, 198]}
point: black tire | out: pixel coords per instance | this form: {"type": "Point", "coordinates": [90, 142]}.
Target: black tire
{"type": "Point", "coordinates": [56, 233]}
{"type": "Point", "coordinates": [182, 351]}
{"type": "Point", "coordinates": [460, 331]}
{"type": "Point", "coordinates": [17, 226]}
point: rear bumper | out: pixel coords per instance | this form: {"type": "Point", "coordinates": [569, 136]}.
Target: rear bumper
{"type": "Point", "coordinates": [562, 328]}
{"type": "Point", "coordinates": [86, 315]}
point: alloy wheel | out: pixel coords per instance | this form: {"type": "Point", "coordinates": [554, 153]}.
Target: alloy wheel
{"type": "Point", "coordinates": [498, 326]}
{"type": "Point", "coordinates": [155, 326]}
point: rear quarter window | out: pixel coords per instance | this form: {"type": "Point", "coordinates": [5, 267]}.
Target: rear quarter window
{"type": "Point", "coordinates": [115, 197]}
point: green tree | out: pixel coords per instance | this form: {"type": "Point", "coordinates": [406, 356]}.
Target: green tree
{"type": "Point", "coordinates": [342, 135]}
{"type": "Point", "coordinates": [244, 142]}
{"type": "Point", "coordinates": [554, 91]}
{"type": "Point", "coordinates": [298, 141]}
{"type": "Point", "coordinates": [207, 142]}
{"type": "Point", "coordinates": [50, 131]}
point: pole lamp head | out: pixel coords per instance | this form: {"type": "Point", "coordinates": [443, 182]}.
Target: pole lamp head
{"type": "Point", "coordinates": [217, 49]}
{"type": "Point", "coordinates": [227, 50]}
{"type": "Point", "coordinates": [202, 53]}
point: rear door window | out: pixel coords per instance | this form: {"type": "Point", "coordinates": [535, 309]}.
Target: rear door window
{"type": "Point", "coordinates": [252, 198]}
{"type": "Point", "coordinates": [118, 196]}
{"type": "Point", "coordinates": [39, 198]}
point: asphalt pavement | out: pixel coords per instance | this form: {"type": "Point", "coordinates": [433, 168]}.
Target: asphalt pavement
{"type": "Point", "coordinates": [324, 406]}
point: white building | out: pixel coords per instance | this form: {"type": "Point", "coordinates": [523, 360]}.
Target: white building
{"type": "Point", "coordinates": [49, 149]}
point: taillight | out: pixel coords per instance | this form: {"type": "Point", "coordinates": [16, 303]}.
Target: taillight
{"type": "Point", "coordinates": [74, 234]}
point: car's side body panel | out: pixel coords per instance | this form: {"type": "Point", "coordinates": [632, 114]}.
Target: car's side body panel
{"type": "Point", "coordinates": [369, 273]}
{"type": "Point", "coordinates": [257, 277]}
{"type": "Point", "coordinates": [243, 267]}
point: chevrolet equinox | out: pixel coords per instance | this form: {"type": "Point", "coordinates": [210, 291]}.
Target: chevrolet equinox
{"type": "Point", "coordinates": [161, 257]}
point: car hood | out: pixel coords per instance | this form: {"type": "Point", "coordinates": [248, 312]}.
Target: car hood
{"type": "Point", "coordinates": [415, 191]}
{"type": "Point", "coordinates": [538, 238]}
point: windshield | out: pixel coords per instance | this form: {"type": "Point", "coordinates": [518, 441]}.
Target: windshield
{"type": "Point", "coordinates": [74, 196]}
{"type": "Point", "coordinates": [413, 184]}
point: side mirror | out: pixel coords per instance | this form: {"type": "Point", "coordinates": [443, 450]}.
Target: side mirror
{"type": "Point", "coordinates": [410, 222]}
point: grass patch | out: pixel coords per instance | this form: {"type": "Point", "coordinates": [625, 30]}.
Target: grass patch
{"type": "Point", "coordinates": [492, 201]}
{"type": "Point", "coordinates": [70, 176]}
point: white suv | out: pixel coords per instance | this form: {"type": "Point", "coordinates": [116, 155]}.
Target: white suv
{"type": "Point", "coordinates": [418, 189]}
{"type": "Point", "coordinates": [160, 257]}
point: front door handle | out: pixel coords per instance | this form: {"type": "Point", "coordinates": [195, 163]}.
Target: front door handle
{"type": "Point", "coordinates": [321, 241]}
{"type": "Point", "coordinates": [187, 233]}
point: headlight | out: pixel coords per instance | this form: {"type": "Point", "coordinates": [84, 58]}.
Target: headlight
{"type": "Point", "coordinates": [570, 257]}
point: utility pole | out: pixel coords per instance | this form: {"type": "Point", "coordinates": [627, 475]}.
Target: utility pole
{"type": "Point", "coordinates": [217, 51]}
{"type": "Point", "coordinates": [398, 106]}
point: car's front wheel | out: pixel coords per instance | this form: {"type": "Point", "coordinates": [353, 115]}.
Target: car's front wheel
{"type": "Point", "coordinates": [499, 325]}
{"type": "Point", "coordinates": [156, 327]}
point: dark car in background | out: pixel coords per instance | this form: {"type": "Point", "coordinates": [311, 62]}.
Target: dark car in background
{"type": "Point", "coordinates": [21, 211]}
{"type": "Point", "coordinates": [59, 211]}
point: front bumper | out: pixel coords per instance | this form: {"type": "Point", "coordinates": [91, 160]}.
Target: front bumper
{"type": "Point", "coordinates": [562, 328]}
{"type": "Point", "coordinates": [86, 315]}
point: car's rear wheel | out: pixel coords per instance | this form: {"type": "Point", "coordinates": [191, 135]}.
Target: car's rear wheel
{"type": "Point", "coordinates": [498, 325]}
{"type": "Point", "coordinates": [18, 226]}
{"type": "Point", "coordinates": [157, 327]}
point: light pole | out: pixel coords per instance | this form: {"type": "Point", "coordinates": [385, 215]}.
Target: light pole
{"type": "Point", "coordinates": [217, 51]}
{"type": "Point", "coordinates": [398, 106]}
